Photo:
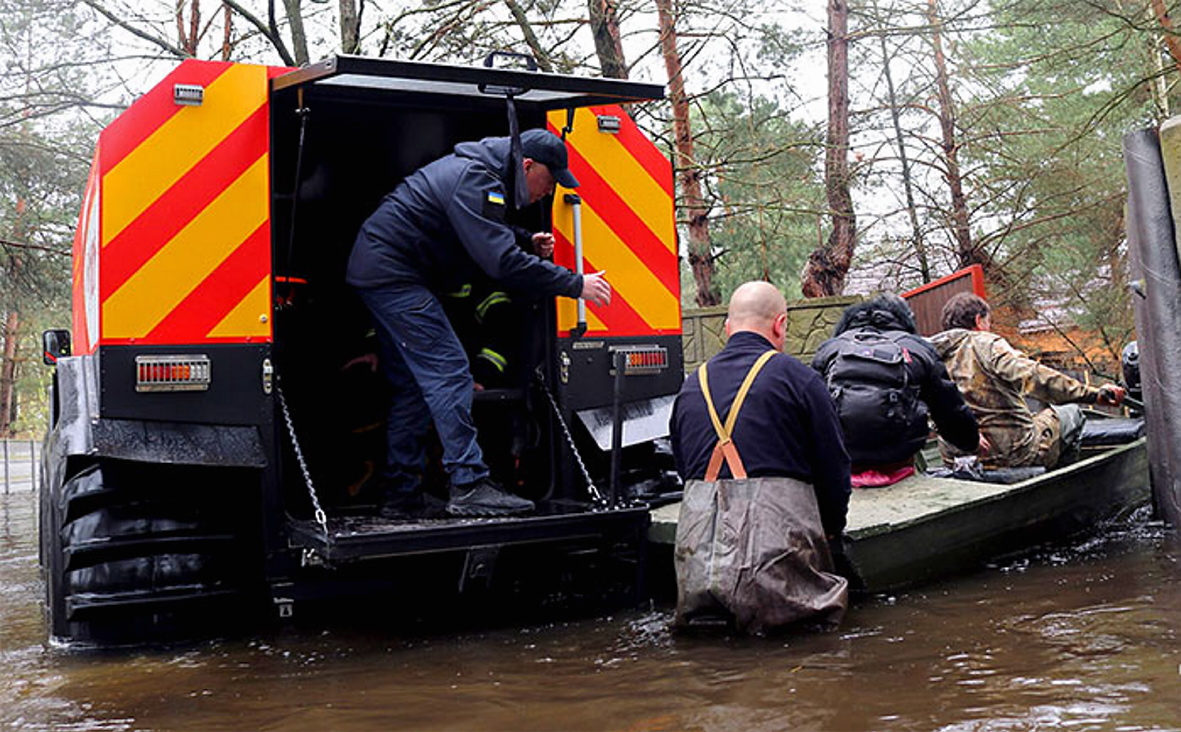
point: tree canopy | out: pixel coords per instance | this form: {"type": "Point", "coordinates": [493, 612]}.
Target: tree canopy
{"type": "Point", "coordinates": [977, 131]}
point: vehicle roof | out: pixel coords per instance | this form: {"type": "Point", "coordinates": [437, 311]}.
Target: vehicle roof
{"type": "Point", "coordinates": [532, 88]}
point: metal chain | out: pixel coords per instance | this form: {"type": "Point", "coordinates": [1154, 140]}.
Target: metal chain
{"type": "Point", "coordinates": [318, 512]}
{"type": "Point", "coordinates": [596, 496]}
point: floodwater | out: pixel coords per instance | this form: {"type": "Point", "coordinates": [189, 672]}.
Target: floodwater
{"type": "Point", "coordinates": [1082, 637]}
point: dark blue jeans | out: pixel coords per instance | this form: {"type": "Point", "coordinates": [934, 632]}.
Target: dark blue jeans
{"type": "Point", "coordinates": [430, 379]}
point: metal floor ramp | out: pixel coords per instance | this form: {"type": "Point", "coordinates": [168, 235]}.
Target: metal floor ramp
{"type": "Point", "coordinates": [355, 538]}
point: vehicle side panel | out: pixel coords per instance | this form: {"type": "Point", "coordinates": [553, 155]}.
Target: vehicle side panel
{"type": "Point", "coordinates": [184, 204]}
{"type": "Point", "coordinates": [627, 226]}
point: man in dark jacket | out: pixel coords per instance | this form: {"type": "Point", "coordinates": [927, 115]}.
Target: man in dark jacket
{"type": "Point", "coordinates": [439, 229]}
{"type": "Point", "coordinates": [787, 426]}
{"type": "Point", "coordinates": [885, 379]}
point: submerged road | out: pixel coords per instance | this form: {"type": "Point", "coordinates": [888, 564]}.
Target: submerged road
{"type": "Point", "coordinates": [1085, 637]}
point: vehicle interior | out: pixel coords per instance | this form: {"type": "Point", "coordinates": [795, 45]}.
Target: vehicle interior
{"type": "Point", "coordinates": [339, 144]}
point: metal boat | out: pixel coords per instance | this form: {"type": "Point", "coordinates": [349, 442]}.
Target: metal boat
{"type": "Point", "coordinates": [926, 527]}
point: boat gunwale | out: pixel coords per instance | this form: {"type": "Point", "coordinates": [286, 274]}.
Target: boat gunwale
{"type": "Point", "coordinates": [1000, 491]}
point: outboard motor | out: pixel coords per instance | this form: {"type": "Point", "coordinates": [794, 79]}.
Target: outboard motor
{"type": "Point", "coordinates": [1130, 366]}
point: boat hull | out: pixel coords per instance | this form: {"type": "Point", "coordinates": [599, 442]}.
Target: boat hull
{"type": "Point", "coordinates": [924, 528]}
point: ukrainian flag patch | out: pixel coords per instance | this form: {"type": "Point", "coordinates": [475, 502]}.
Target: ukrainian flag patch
{"type": "Point", "coordinates": [494, 206]}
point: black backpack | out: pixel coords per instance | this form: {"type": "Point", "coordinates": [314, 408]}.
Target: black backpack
{"type": "Point", "coordinates": [869, 383]}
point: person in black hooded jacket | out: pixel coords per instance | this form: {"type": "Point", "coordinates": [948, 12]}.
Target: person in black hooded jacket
{"type": "Point", "coordinates": [886, 379]}
{"type": "Point", "coordinates": [442, 227]}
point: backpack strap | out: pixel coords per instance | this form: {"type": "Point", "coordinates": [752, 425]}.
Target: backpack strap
{"type": "Point", "coordinates": [725, 449]}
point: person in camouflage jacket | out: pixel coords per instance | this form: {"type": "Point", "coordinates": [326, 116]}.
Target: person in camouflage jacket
{"type": "Point", "coordinates": [994, 378]}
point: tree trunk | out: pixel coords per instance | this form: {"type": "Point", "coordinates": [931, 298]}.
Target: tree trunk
{"type": "Point", "coordinates": [966, 252]}
{"type": "Point", "coordinates": [181, 40]}
{"type": "Point", "coordinates": [227, 38]}
{"type": "Point", "coordinates": [604, 23]}
{"type": "Point", "coordinates": [1160, 79]}
{"type": "Point", "coordinates": [299, 39]}
{"type": "Point", "coordinates": [1170, 36]}
{"type": "Point", "coordinates": [194, 25]}
{"type": "Point", "coordinates": [920, 247]}
{"type": "Point", "coordinates": [824, 274]}
{"type": "Point", "coordinates": [350, 27]}
{"type": "Point", "coordinates": [12, 323]}
{"type": "Point", "coordinates": [188, 38]}
{"type": "Point", "coordinates": [701, 257]}
{"type": "Point", "coordinates": [8, 373]}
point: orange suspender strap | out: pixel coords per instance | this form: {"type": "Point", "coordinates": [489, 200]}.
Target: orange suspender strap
{"type": "Point", "coordinates": [725, 449]}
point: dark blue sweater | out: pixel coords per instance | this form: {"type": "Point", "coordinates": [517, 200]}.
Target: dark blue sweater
{"type": "Point", "coordinates": [445, 224]}
{"type": "Point", "coordinates": [787, 425]}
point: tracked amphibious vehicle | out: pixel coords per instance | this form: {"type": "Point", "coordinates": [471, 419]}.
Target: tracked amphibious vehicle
{"type": "Point", "coordinates": [214, 444]}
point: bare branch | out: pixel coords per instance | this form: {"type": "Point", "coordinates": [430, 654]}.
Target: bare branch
{"type": "Point", "coordinates": [9, 244]}
{"type": "Point", "coordinates": [270, 32]}
{"type": "Point", "coordinates": [127, 26]}
{"type": "Point", "coordinates": [543, 60]}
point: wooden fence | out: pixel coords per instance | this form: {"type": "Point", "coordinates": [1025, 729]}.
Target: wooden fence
{"type": "Point", "coordinates": [809, 323]}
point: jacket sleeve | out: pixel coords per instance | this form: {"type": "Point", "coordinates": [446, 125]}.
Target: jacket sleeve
{"type": "Point", "coordinates": [476, 210]}
{"type": "Point", "coordinates": [1041, 382]}
{"type": "Point", "coordinates": [523, 236]}
{"type": "Point", "coordinates": [830, 462]}
{"type": "Point", "coordinates": [953, 418]}
{"type": "Point", "coordinates": [674, 438]}
{"type": "Point", "coordinates": [684, 412]}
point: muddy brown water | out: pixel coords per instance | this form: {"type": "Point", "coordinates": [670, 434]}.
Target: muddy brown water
{"type": "Point", "coordinates": [1082, 637]}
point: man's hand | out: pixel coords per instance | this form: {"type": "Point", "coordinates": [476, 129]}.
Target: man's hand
{"type": "Point", "coordinates": [595, 288]}
{"type": "Point", "coordinates": [543, 244]}
{"type": "Point", "coordinates": [984, 447]}
{"type": "Point", "coordinates": [1111, 395]}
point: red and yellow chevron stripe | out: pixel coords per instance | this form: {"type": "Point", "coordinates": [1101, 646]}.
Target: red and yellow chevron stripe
{"type": "Point", "coordinates": [627, 227]}
{"type": "Point", "coordinates": [184, 207]}
{"type": "Point", "coordinates": [84, 277]}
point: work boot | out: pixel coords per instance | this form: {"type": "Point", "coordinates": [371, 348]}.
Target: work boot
{"type": "Point", "coordinates": [485, 498]}
{"type": "Point", "coordinates": [409, 505]}
{"type": "Point", "coordinates": [400, 504]}
{"type": "Point", "coordinates": [404, 500]}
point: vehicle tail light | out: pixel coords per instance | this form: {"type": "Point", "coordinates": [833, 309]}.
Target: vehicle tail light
{"type": "Point", "coordinates": [172, 373]}
{"type": "Point", "coordinates": [644, 359]}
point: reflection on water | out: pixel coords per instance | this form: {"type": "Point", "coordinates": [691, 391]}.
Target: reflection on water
{"type": "Point", "coordinates": [1082, 638]}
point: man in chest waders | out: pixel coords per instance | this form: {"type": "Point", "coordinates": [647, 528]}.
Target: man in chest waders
{"type": "Point", "coordinates": [757, 440]}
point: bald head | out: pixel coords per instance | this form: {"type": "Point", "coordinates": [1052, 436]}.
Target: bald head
{"type": "Point", "coordinates": [759, 307]}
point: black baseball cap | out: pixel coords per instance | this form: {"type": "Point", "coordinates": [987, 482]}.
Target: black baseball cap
{"type": "Point", "coordinates": [549, 150]}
